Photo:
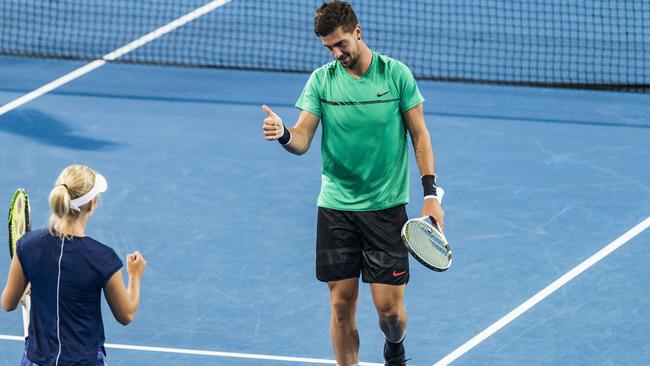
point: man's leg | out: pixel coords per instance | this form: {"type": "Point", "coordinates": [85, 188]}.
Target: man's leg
{"type": "Point", "coordinates": [343, 327]}
{"type": "Point", "coordinates": [389, 302]}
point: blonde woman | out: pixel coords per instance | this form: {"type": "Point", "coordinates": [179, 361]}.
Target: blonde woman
{"type": "Point", "coordinates": [68, 271]}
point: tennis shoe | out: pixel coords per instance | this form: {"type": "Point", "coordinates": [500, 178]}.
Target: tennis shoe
{"type": "Point", "coordinates": [396, 358]}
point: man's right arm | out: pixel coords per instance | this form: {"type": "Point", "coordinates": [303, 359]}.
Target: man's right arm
{"type": "Point", "coordinates": [296, 139]}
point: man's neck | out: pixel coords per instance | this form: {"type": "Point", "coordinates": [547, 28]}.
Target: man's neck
{"type": "Point", "coordinates": [363, 64]}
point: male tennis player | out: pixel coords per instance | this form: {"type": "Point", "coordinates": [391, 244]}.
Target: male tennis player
{"type": "Point", "coordinates": [68, 271]}
{"type": "Point", "coordinates": [367, 103]}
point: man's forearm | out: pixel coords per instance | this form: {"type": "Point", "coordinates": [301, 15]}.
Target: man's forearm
{"type": "Point", "coordinates": [299, 143]}
{"type": "Point", "coordinates": [424, 155]}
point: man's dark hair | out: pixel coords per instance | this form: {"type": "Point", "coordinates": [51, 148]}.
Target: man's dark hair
{"type": "Point", "coordinates": [334, 14]}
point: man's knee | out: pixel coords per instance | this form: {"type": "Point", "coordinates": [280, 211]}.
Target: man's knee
{"type": "Point", "coordinates": [390, 313]}
{"type": "Point", "coordinates": [343, 309]}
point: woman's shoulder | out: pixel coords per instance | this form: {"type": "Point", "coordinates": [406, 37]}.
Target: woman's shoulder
{"type": "Point", "coordinates": [96, 245]}
{"type": "Point", "coordinates": [35, 236]}
{"type": "Point", "coordinates": [104, 257]}
{"type": "Point", "coordinates": [33, 241]}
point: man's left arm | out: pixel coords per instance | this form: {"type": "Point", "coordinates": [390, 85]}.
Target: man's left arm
{"type": "Point", "coordinates": [417, 128]}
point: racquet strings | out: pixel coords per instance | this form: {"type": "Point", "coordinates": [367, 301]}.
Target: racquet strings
{"type": "Point", "coordinates": [427, 244]}
{"type": "Point", "coordinates": [17, 221]}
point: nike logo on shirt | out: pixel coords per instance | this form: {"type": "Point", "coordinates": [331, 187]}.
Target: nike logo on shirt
{"type": "Point", "coordinates": [382, 94]}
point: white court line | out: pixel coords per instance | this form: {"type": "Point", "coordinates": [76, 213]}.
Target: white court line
{"type": "Point", "coordinates": [113, 55]}
{"type": "Point", "coordinates": [210, 353]}
{"type": "Point", "coordinates": [514, 314]}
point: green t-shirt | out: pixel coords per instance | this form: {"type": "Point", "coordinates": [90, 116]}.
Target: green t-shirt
{"type": "Point", "coordinates": [364, 146]}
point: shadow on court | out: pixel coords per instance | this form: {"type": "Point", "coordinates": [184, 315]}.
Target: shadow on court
{"type": "Point", "coordinates": [48, 130]}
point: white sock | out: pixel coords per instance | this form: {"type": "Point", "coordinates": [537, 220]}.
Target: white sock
{"type": "Point", "coordinates": [400, 340]}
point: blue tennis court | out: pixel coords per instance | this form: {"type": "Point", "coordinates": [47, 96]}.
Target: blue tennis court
{"type": "Point", "coordinates": [537, 181]}
{"type": "Point", "coordinates": [545, 177]}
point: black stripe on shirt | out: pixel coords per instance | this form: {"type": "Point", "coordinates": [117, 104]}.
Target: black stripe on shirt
{"type": "Point", "coordinates": [358, 103]}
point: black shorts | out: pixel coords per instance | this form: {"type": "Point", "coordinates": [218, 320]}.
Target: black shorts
{"type": "Point", "coordinates": [349, 243]}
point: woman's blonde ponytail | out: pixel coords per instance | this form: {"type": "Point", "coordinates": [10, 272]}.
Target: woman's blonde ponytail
{"type": "Point", "coordinates": [73, 182]}
{"type": "Point", "coordinates": [60, 201]}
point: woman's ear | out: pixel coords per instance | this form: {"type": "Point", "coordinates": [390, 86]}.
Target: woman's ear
{"type": "Point", "coordinates": [92, 206]}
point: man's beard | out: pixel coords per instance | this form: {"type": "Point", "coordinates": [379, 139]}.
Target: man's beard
{"type": "Point", "coordinates": [350, 61]}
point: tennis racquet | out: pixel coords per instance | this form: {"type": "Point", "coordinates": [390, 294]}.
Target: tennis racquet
{"type": "Point", "coordinates": [426, 242]}
{"type": "Point", "coordinates": [19, 224]}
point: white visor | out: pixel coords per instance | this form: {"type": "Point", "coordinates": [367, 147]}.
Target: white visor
{"type": "Point", "coordinates": [100, 186]}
